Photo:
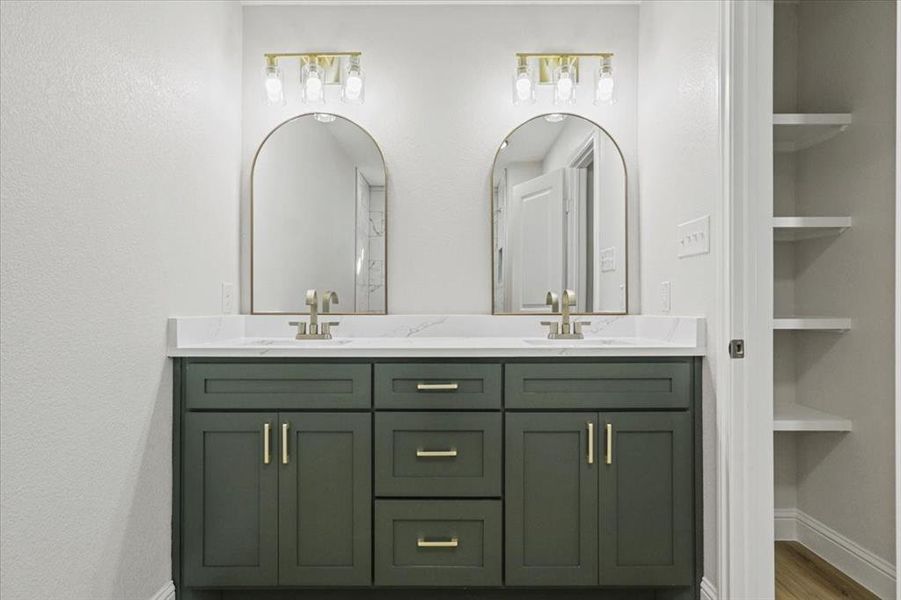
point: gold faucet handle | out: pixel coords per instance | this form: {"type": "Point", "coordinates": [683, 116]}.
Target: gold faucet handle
{"type": "Point", "coordinates": [301, 327]}
{"type": "Point", "coordinates": [577, 326]}
{"type": "Point", "coordinates": [326, 328]}
{"type": "Point", "coordinates": [552, 327]}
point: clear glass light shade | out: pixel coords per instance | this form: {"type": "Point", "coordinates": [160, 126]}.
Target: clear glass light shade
{"type": "Point", "coordinates": [312, 83]}
{"type": "Point", "coordinates": [564, 85]}
{"type": "Point", "coordinates": [274, 85]}
{"type": "Point", "coordinates": [523, 85]}
{"type": "Point", "coordinates": [604, 84]}
{"type": "Point", "coordinates": [353, 88]}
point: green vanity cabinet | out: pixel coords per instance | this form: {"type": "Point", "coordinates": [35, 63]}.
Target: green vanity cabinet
{"type": "Point", "coordinates": [488, 478]}
{"type": "Point", "coordinates": [551, 500]}
{"type": "Point", "coordinates": [599, 499]}
{"type": "Point", "coordinates": [277, 499]}
{"type": "Point", "coordinates": [230, 501]}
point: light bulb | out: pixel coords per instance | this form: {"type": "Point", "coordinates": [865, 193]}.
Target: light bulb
{"type": "Point", "coordinates": [523, 84]}
{"type": "Point", "coordinates": [564, 84]}
{"type": "Point", "coordinates": [324, 117]}
{"type": "Point", "coordinates": [353, 89]}
{"type": "Point", "coordinates": [523, 87]}
{"type": "Point", "coordinates": [554, 118]}
{"type": "Point", "coordinates": [313, 88]}
{"type": "Point", "coordinates": [272, 82]}
{"type": "Point", "coordinates": [604, 84]}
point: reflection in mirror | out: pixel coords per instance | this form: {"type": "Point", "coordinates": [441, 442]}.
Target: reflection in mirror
{"type": "Point", "coordinates": [559, 217]}
{"type": "Point", "coordinates": [318, 212]}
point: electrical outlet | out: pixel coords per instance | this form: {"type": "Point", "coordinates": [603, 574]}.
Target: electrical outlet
{"type": "Point", "coordinates": [666, 296]}
{"type": "Point", "coordinates": [608, 259]}
{"type": "Point", "coordinates": [694, 237]}
{"type": "Point", "coordinates": [228, 298]}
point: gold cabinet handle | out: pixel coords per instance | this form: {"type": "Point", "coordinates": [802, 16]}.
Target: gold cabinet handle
{"type": "Point", "coordinates": [285, 443]}
{"type": "Point", "coordinates": [590, 443]}
{"type": "Point", "coordinates": [608, 456]}
{"type": "Point", "coordinates": [452, 453]}
{"type": "Point", "coordinates": [267, 431]}
{"type": "Point", "coordinates": [451, 543]}
{"type": "Point", "coordinates": [437, 387]}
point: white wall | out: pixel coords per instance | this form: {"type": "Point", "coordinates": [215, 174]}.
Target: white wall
{"type": "Point", "coordinates": [680, 179]}
{"type": "Point", "coordinates": [119, 194]}
{"type": "Point", "coordinates": [438, 102]}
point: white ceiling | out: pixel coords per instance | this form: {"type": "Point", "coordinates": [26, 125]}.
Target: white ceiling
{"type": "Point", "coordinates": [433, 2]}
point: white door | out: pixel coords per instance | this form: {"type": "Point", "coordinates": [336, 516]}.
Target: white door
{"type": "Point", "coordinates": [535, 236]}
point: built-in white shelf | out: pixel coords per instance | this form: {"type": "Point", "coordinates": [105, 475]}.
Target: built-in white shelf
{"type": "Point", "coordinates": [797, 131]}
{"type": "Point", "coordinates": [793, 229]}
{"type": "Point", "coordinates": [797, 417]}
{"type": "Point", "coordinates": [811, 324]}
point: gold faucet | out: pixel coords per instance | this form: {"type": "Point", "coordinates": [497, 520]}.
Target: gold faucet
{"type": "Point", "coordinates": [568, 329]}
{"type": "Point", "coordinates": [313, 332]}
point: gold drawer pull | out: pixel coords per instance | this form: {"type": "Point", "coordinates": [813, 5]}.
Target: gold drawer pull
{"type": "Point", "coordinates": [437, 387]}
{"type": "Point", "coordinates": [590, 443]}
{"type": "Point", "coordinates": [285, 443]}
{"type": "Point", "coordinates": [452, 453]}
{"type": "Point", "coordinates": [267, 432]}
{"type": "Point", "coordinates": [609, 453]}
{"type": "Point", "coordinates": [451, 543]}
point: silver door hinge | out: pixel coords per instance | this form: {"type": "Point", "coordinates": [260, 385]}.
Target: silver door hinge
{"type": "Point", "coordinates": [737, 349]}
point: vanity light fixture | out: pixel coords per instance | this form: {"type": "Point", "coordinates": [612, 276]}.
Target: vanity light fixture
{"type": "Point", "coordinates": [562, 72]}
{"type": "Point", "coordinates": [318, 70]}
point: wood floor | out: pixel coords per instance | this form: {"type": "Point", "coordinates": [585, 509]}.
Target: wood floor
{"type": "Point", "coordinates": [802, 575]}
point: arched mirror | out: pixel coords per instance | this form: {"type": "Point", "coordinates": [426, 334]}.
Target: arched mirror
{"type": "Point", "coordinates": [318, 200]}
{"type": "Point", "coordinates": [559, 217]}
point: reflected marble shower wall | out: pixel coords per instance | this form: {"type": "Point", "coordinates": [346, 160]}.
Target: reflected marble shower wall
{"type": "Point", "coordinates": [376, 275]}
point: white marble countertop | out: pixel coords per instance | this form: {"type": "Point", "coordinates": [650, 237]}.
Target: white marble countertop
{"type": "Point", "coordinates": [424, 336]}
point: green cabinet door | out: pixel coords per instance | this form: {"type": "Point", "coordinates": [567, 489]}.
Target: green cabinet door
{"type": "Point", "coordinates": [325, 510]}
{"type": "Point", "coordinates": [647, 525]}
{"type": "Point", "coordinates": [551, 500]}
{"type": "Point", "coordinates": [230, 518]}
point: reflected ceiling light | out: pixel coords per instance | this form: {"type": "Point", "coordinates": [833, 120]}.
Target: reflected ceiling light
{"type": "Point", "coordinates": [273, 84]}
{"type": "Point", "coordinates": [554, 118]}
{"type": "Point", "coordinates": [318, 71]}
{"type": "Point", "coordinates": [603, 82]}
{"type": "Point", "coordinates": [561, 72]}
{"type": "Point", "coordinates": [324, 117]}
{"type": "Point", "coordinates": [523, 83]}
{"type": "Point", "coordinates": [352, 89]}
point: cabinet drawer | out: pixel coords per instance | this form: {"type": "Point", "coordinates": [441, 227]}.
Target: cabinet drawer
{"type": "Point", "coordinates": [259, 386]}
{"type": "Point", "coordinates": [598, 385]}
{"type": "Point", "coordinates": [438, 454]}
{"type": "Point", "coordinates": [438, 543]}
{"type": "Point", "coordinates": [427, 386]}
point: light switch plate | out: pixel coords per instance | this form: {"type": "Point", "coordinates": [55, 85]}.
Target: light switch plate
{"type": "Point", "coordinates": [228, 298]}
{"type": "Point", "coordinates": [666, 296]}
{"type": "Point", "coordinates": [608, 259]}
{"type": "Point", "coordinates": [694, 237]}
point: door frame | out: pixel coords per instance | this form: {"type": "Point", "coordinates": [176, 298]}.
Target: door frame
{"type": "Point", "coordinates": [744, 449]}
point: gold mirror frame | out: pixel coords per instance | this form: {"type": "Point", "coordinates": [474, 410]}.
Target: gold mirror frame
{"type": "Point", "coordinates": [253, 172]}
{"type": "Point", "coordinates": [625, 212]}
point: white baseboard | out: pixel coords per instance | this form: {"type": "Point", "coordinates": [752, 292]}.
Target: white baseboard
{"type": "Point", "coordinates": [871, 571]}
{"type": "Point", "coordinates": [708, 590]}
{"type": "Point", "coordinates": [167, 592]}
